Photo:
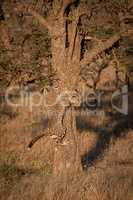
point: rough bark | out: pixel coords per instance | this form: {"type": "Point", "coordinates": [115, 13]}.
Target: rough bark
{"type": "Point", "coordinates": [66, 61]}
{"type": "Point", "coordinates": [5, 36]}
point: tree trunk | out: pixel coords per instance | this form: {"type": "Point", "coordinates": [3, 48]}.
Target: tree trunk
{"type": "Point", "coordinates": [66, 158]}
{"type": "Point", "coordinates": [66, 62]}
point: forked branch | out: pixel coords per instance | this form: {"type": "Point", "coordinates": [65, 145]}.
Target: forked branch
{"type": "Point", "coordinates": [102, 46]}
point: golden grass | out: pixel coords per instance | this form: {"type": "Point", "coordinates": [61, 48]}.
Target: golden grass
{"type": "Point", "coordinates": [28, 174]}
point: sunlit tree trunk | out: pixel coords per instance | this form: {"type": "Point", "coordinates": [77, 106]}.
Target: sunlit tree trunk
{"type": "Point", "coordinates": [66, 60]}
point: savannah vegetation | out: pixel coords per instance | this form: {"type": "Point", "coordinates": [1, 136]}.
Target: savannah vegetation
{"type": "Point", "coordinates": [78, 148]}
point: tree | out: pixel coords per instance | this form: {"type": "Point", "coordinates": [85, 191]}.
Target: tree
{"type": "Point", "coordinates": [66, 47]}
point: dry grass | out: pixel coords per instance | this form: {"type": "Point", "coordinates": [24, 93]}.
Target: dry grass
{"type": "Point", "coordinates": [28, 174]}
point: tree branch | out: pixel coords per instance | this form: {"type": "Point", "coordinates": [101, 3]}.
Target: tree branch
{"type": "Point", "coordinates": [126, 19]}
{"type": "Point", "coordinates": [40, 19]}
{"type": "Point", "coordinates": [89, 55]}
{"type": "Point", "coordinates": [73, 34]}
{"type": "Point", "coordinates": [5, 36]}
{"type": "Point", "coordinates": [66, 4]}
{"type": "Point", "coordinates": [27, 9]}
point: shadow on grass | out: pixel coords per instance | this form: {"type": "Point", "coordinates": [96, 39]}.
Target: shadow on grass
{"type": "Point", "coordinates": [6, 112]}
{"type": "Point", "coordinates": [118, 126]}
{"type": "Point", "coordinates": [11, 172]}
{"type": "Point", "coordinates": [40, 125]}
{"type": "Point", "coordinates": [10, 176]}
